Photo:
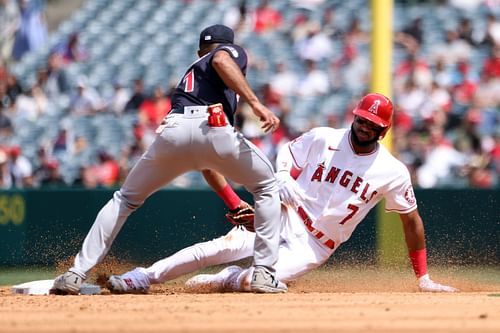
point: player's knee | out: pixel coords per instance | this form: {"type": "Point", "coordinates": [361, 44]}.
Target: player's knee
{"type": "Point", "coordinates": [125, 202]}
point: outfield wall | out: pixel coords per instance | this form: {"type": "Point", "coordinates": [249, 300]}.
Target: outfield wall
{"type": "Point", "coordinates": [41, 227]}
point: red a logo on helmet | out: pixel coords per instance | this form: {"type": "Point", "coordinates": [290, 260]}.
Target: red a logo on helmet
{"type": "Point", "coordinates": [374, 108]}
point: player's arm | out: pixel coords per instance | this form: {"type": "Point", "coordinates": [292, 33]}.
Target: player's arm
{"type": "Point", "coordinates": [232, 76]}
{"type": "Point", "coordinates": [285, 162]}
{"type": "Point", "coordinates": [290, 192]}
{"type": "Point", "coordinates": [413, 228]}
{"type": "Point", "coordinates": [220, 186]}
{"type": "Point", "coordinates": [240, 212]}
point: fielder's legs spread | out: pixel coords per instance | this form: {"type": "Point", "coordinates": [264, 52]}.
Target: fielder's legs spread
{"type": "Point", "coordinates": [185, 143]}
{"type": "Point", "coordinates": [299, 252]}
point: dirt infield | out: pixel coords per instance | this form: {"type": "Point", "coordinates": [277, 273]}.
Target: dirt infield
{"type": "Point", "coordinates": [375, 302]}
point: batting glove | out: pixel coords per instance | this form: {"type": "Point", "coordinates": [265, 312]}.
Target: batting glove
{"type": "Point", "coordinates": [426, 284]}
{"type": "Point", "coordinates": [290, 192]}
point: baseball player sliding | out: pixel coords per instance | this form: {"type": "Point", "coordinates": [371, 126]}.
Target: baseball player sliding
{"type": "Point", "coordinates": [329, 180]}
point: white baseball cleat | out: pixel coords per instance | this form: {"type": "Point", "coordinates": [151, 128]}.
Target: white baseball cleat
{"type": "Point", "coordinates": [263, 281]}
{"type": "Point", "coordinates": [133, 282]}
{"type": "Point", "coordinates": [67, 283]}
{"type": "Point", "coordinates": [212, 283]}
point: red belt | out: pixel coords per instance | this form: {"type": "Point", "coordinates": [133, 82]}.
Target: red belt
{"type": "Point", "coordinates": [316, 233]}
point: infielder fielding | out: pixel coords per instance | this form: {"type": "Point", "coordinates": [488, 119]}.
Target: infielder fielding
{"type": "Point", "coordinates": [198, 134]}
{"type": "Point", "coordinates": [329, 180]}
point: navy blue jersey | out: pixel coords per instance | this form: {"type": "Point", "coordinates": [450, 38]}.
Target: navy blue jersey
{"type": "Point", "coordinates": [201, 85]}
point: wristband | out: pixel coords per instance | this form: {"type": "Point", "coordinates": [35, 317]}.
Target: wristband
{"type": "Point", "coordinates": [419, 262]}
{"type": "Point", "coordinates": [231, 199]}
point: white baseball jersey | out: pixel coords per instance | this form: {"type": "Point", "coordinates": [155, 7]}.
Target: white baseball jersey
{"type": "Point", "coordinates": [343, 186]}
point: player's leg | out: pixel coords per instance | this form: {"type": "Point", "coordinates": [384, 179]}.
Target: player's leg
{"type": "Point", "coordinates": [295, 260]}
{"type": "Point", "coordinates": [164, 160]}
{"type": "Point", "coordinates": [299, 253]}
{"type": "Point", "coordinates": [235, 245]}
{"type": "Point", "coordinates": [249, 166]}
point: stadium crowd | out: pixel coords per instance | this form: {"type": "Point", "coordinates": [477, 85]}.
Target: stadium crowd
{"type": "Point", "coordinates": [446, 91]}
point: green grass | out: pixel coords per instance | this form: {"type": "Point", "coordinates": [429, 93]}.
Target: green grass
{"type": "Point", "coordinates": [16, 275]}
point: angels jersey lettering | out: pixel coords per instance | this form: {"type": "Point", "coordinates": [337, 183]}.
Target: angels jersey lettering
{"type": "Point", "coordinates": [343, 186]}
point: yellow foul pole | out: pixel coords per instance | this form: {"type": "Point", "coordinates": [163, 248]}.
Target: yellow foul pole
{"type": "Point", "coordinates": [390, 241]}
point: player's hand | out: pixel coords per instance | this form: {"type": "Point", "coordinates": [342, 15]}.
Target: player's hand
{"type": "Point", "coordinates": [290, 192]}
{"type": "Point", "coordinates": [243, 215]}
{"type": "Point", "coordinates": [269, 121]}
{"type": "Point", "coordinates": [426, 284]}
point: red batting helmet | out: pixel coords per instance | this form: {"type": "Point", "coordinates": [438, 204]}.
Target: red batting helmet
{"type": "Point", "coordinates": [376, 108]}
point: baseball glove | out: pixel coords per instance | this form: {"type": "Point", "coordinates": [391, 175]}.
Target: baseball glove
{"type": "Point", "coordinates": [243, 215]}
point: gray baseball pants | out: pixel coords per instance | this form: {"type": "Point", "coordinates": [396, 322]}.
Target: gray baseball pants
{"type": "Point", "coordinates": [185, 142]}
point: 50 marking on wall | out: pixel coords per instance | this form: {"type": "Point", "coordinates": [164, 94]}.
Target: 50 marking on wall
{"type": "Point", "coordinates": [12, 209]}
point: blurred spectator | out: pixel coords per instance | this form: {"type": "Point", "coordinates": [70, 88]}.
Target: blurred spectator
{"type": "Point", "coordinates": [71, 50]}
{"type": "Point", "coordinates": [20, 168]}
{"type": "Point", "coordinates": [53, 176]}
{"type": "Point", "coordinates": [85, 101]}
{"type": "Point", "coordinates": [453, 49]}
{"type": "Point", "coordinates": [491, 33]}
{"type": "Point", "coordinates": [440, 161]}
{"type": "Point", "coordinates": [442, 73]}
{"type": "Point", "coordinates": [448, 87]}
{"type": "Point", "coordinates": [307, 4]}
{"type": "Point", "coordinates": [31, 34]}
{"type": "Point", "coordinates": [466, 31]}
{"type": "Point", "coordinates": [329, 26]}
{"type": "Point", "coordinates": [5, 178]}
{"type": "Point", "coordinates": [300, 27]}
{"type": "Point", "coordinates": [54, 79]}
{"type": "Point", "coordinates": [60, 145]}
{"type": "Point", "coordinates": [316, 46]}
{"type": "Point", "coordinates": [412, 99]}
{"type": "Point", "coordinates": [128, 158]}
{"type": "Point", "coordinates": [463, 92]}
{"type": "Point", "coordinates": [236, 16]}
{"type": "Point", "coordinates": [3, 70]}
{"type": "Point", "coordinates": [352, 68]}
{"type": "Point", "coordinates": [10, 18]}
{"type": "Point", "coordinates": [355, 34]}
{"type": "Point", "coordinates": [47, 173]}
{"type": "Point", "coordinates": [266, 18]}
{"type": "Point", "coordinates": [410, 149]}
{"type": "Point", "coordinates": [491, 65]}
{"type": "Point", "coordinates": [118, 100]}
{"type": "Point", "coordinates": [5, 100]}
{"type": "Point", "coordinates": [412, 36]}
{"type": "Point", "coordinates": [273, 100]}
{"type": "Point", "coordinates": [487, 100]}
{"type": "Point", "coordinates": [151, 113]}
{"type": "Point", "coordinates": [137, 98]}
{"type": "Point", "coordinates": [14, 89]}
{"type": "Point", "coordinates": [413, 68]}
{"type": "Point", "coordinates": [31, 104]}
{"type": "Point", "coordinates": [439, 98]}
{"type": "Point", "coordinates": [284, 81]}
{"type": "Point", "coordinates": [6, 129]}
{"type": "Point", "coordinates": [466, 4]}
{"type": "Point", "coordinates": [106, 173]}
{"type": "Point", "coordinates": [314, 82]}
